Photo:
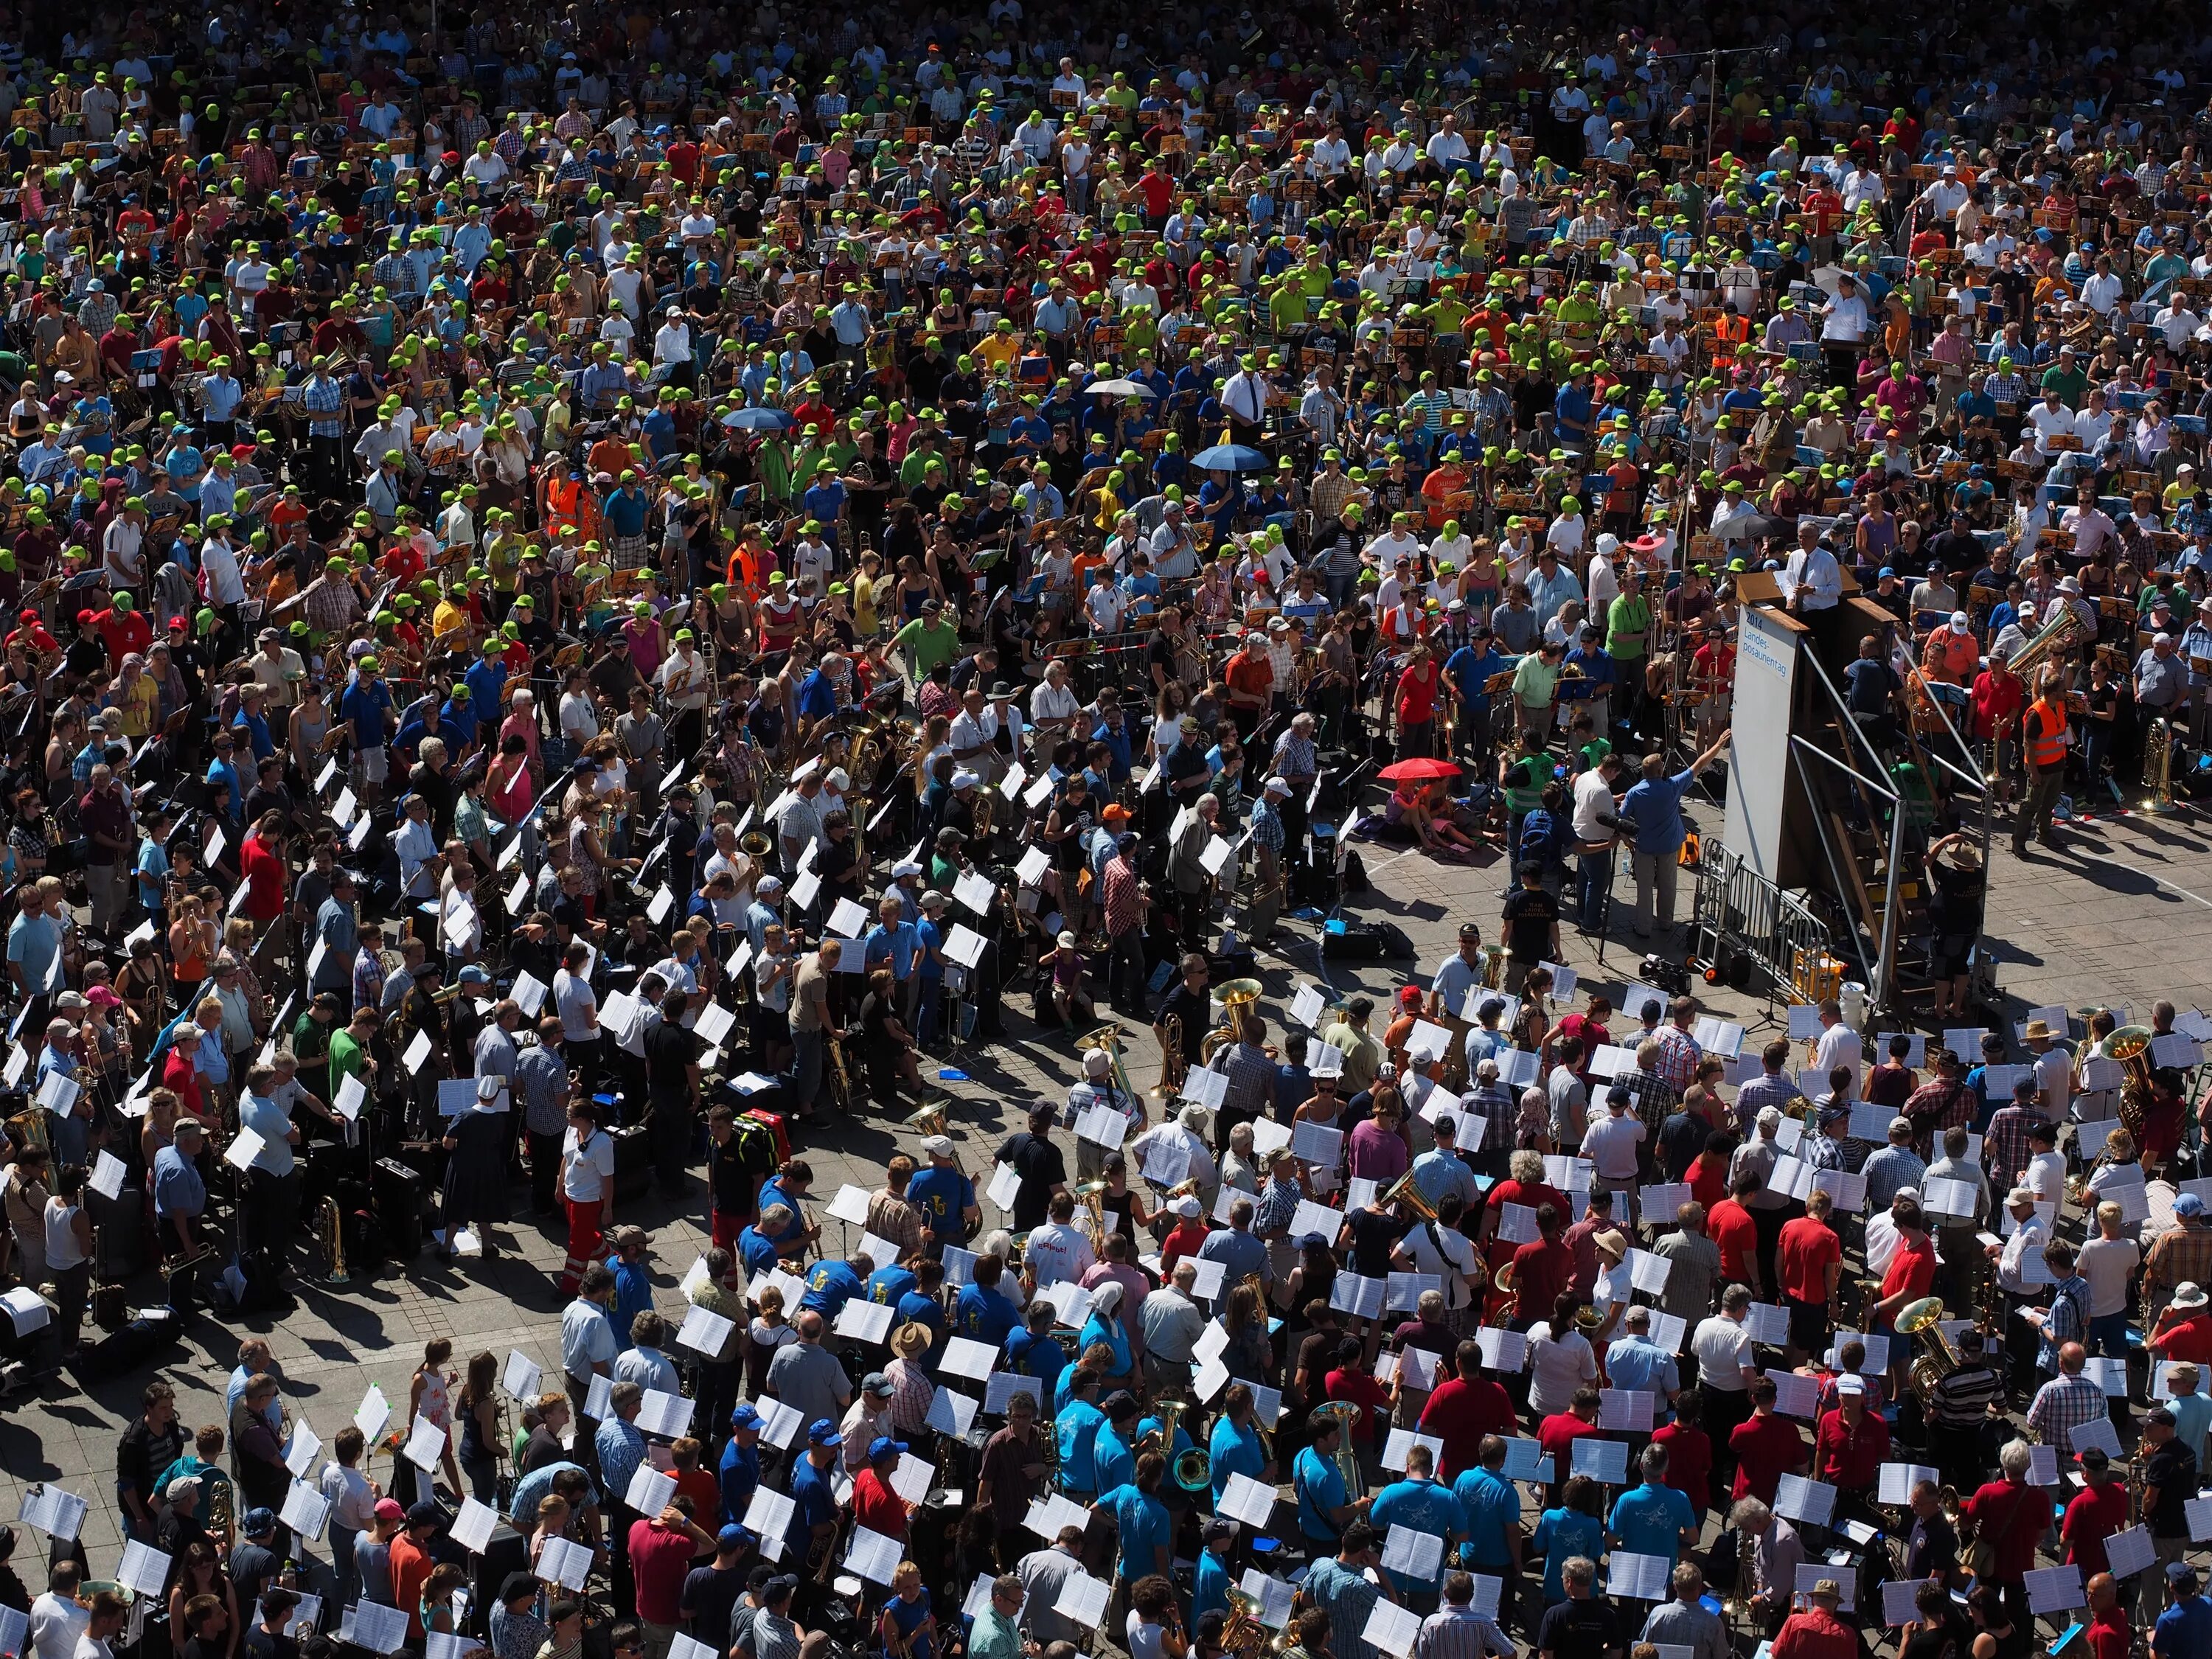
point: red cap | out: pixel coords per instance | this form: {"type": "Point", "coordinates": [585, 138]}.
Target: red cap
{"type": "Point", "coordinates": [30, 617]}
{"type": "Point", "coordinates": [179, 622]}
{"type": "Point", "coordinates": [86, 615]}
{"type": "Point", "coordinates": [240, 452]}
{"type": "Point", "coordinates": [1409, 995]}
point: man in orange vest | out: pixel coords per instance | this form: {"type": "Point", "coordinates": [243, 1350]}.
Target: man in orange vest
{"type": "Point", "coordinates": [2043, 745]}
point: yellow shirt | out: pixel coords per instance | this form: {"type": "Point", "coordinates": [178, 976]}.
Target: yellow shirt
{"type": "Point", "coordinates": [863, 603]}
{"type": "Point", "coordinates": [998, 349]}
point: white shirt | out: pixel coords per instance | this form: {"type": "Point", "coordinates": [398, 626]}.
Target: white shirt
{"type": "Point", "coordinates": [1722, 1349]}
{"type": "Point", "coordinates": [1593, 795]}
{"type": "Point", "coordinates": [2031, 1235]}
{"type": "Point", "coordinates": [578, 1007]}
{"type": "Point", "coordinates": [1816, 573]}
{"type": "Point", "coordinates": [1881, 1242]}
{"type": "Point", "coordinates": [1450, 1255]}
{"type": "Point", "coordinates": [1610, 1143]}
{"type": "Point", "coordinates": [1558, 1363]}
{"type": "Point", "coordinates": [2109, 1265]}
{"type": "Point", "coordinates": [55, 1622]}
{"type": "Point", "coordinates": [2054, 1072]}
{"type": "Point", "coordinates": [1839, 1046]}
{"type": "Point", "coordinates": [1058, 1250]}
{"type": "Point", "coordinates": [586, 1171]}
{"type": "Point", "coordinates": [352, 1500]}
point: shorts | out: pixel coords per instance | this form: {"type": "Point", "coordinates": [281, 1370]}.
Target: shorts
{"type": "Point", "coordinates": [1808, 1325]}
{"type": "Point", "coordinates": [372, 766]}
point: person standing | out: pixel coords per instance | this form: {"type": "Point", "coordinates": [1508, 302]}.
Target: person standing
{"type": "Point", "coordinates": [587, 1188]}
{"type": "Point", "coordinates": [1652, 810]}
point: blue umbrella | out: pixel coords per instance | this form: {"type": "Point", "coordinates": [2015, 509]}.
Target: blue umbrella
{"type": "Point", "coordinates": [757, 420]}
{"type": "Point", "coordinates": [1229, 457]}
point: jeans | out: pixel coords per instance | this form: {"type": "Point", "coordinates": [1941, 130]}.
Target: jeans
{"type": "Point", "coordinates": [484, 1477]}
{"type": "Point", "coordinates": [347, 1579]}
{"type": "Point", "coordinates": [2108, 1335]}
{"type": "Point", "coordinates": [929, 1010]}
{"type": "Point", "coordinates": [1594, 886]}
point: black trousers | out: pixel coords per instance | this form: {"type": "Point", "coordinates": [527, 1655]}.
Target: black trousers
{"type": "Point", "coordinates": [544, 1173]}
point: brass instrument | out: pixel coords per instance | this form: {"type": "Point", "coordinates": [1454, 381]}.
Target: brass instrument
{"type": "Point", "coordinates": [1162, 1439]}
{"type": "Point", "coordinates": [2135, 1487]}
{"type": "Point", "coordinates": [1346, 1415]}
{"type": "Point", "coordinates": [2158, 743]}
{"type": "Point", "coordinates": [757, 845]}
{"type": "Point", "coordinates": [1109, 1037]}
{"type": "Point", "coordinates": [1193, 1469]}
{"type": "Point", "coordinates": [1243, 1633]}
{"type": "Point", "coordinates": [1049, 1433]}
{"type": "Point", "coordinates": [1091, 1195]}
{"type": "Point", "coordinates": [27, 1128]}
{"type": "Point", "coordinates": [1494, 966]}
{"type": "Point", "coordinates": [841, 1080]}
{"type": "Point", "coordinates": [1923, 1319]}
{"type": "Point", "coordinates": [1173, 1065]}
{"type": "Point", "coordinates": [929, 1121]}
{"type": "Point", "coordinates": [2130, 1046]}
{"type": "Point", "coordinates": [1502, 1282]}
{"type": "Point", "coordinates": [1588, 1318]}
{"type": "Point", "coordinates": [330, 1242]}
{"type": "Point", "coordinates": [1236, 996]}
{"type": "Point", "coordinates": [223, 1514]}
{"type": "Point", "coordinates": [2061, 633]}
{"type": "Point", "coordinates": [986, 805]}
{"type": "Point", "coordinates": [1737, 1609]}
{"type": "Point", "coordinates": [1404, 1191]}
{"type": "Point", "coordinates": [1870, 1291]}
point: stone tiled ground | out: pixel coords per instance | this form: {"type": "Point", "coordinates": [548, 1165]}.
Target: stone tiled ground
{"type": "Point", "coordinates": [2118, 921]}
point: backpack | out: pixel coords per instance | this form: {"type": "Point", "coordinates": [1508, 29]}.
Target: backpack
{"type": "Point", "coordinates": [1537, 835]}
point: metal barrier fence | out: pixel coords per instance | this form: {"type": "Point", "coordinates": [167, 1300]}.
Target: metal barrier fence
{"type": "Point", "coordinates": [1743, 925]}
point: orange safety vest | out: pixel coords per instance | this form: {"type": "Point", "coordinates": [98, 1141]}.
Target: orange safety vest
{"type": "Point", "coordinates": [2048, 750]}
{"type": "Point", "coordinates": [563, 505]}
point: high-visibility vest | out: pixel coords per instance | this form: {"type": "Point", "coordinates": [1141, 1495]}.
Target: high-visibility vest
{"type": "Point", "coordinates": [563, 502]}
{"type": "Point", "coordinates": [2048, 749]}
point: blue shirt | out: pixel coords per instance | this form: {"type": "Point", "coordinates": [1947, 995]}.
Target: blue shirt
{"type": "Point", "coordinates": [943, 1195]}
{"type": "Point", "coordinates": [812, 1502]}
{"type": "Point", "coordinates": [1561, 1535]}
{"type": "Point", "coordinates": [1491, 1505]}
{"type": "Point", "coordinates": [364, 704]}
{"type": "Point", "coordinates": [1648, 1520]}
{"type": "Point", "coordinates": [1147, 1534]}
{"type": "Point", "coordinates": [1076, 1433]}
{"type": "Point", "coordinates": [738, 1476]}
{"type": "Point", "coordinates": [633, 1293]}
{"type": "Point", "coordinates": [1111, 1330]}
{"type": "Point", "coordinates": [893, 944]}
{"type": "Point", "coordinates": [1423, 1505]}
{"type": "Point", "coordinates": [487, 681]}
{"type": "Point", "coordinates": [1209, 1589]}
{"type": "Point", "coordinates": [621, 1446]}
{"type": "Point", "coordinates": [985, 1316]}
{"type": "Point", "coordinates": [178, 1189]}
{"type": "Point", "coordinates": [1654, 806]}
{"type": "Point", "coordinates": [1638, 1362]}
{"type": "Point", "coordinates": [1320, 1490]}
{"type": "Point", "coordinates": [1233, 1450]}
{"type": "Point", "coordinates": [1116, 1466]}
{"type": "Point", "coordinates": [2184, 1630]}
{"type": "Point", "coordinates": [829, 1286]}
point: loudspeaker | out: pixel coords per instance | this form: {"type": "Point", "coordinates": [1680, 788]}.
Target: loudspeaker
{"type": "Point", "coordinates": [508, 1552]}
{"type": "Point", "coordinates": [633, 1164]}
{"type": "Point", "coordinates": [397, 1199]}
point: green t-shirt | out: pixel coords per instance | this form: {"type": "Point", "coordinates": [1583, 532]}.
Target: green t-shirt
{"type": "Point", "coordinates": [2072, 384]}
{"type": "Point", "coordinates": [930, 646]}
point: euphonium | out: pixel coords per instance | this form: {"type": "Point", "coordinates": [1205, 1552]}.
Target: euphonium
{"type": "Point", "coordinates": [222, 1515]}
{"type": "Point", "coordinates": [1091, 1195]}
{"type": "Point", "coordinates": [1404, 1191]}
{"type": "Point", "coordinates": [1243, 1633]}
{"type": "Point", "coordinates": [1173, 1065]}
{"type": "Point", "coordinates": [1193, 1469]}
{"type": "Point", "coordinates": [2130, 1046]}
{"type": "Point", "coordinates": [929, 1121]}
{"type": "Point", "coordinates": [1924, 1319]}
{"type": "Point", "coordinates": [985, 804]}
{"type": "Point", "coordinates": [330, 1239]}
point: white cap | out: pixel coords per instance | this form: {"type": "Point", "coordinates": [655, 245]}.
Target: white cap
{"type": "Point", "coordinates": [937, 1146]}
{"type": "Point", "coordinates": [1849, 1385]}
{"type": "Point", "coordinates": [963, 779]}
{"type": "Point", "coordinates": [1188, 1208]}
{"type": "Point", "coordinates": [1099, 1061]}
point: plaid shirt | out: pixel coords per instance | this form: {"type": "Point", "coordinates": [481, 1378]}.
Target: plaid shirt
{"type": "Point", "coordinates": [367, 980]}
{"type": "Point", "coordinates": [324, 400]}
{"type": "Point", "coordinates": [2004, 1150]}
{"type": "Point", "coordinates": [1937, 1106]}
{"type": "Point", "coordinates": [1645, 1087]}
{"type": "Point", "coordinates": [1251, 1076]}
{"type": "Point", "coordinates": [2061, 1405]}
{"type": "Point", "coordinates": [1267, 827]}
{"type": "Point", "coordinates": [2069, 1322]}
{"type": "Point", "coordinates": [1295, 756]}
{"type": "Point", "coordinates": [1123, 899]}
{"type": "Point", "coordinates": [911, 1393]}
{"type": "Point", "coordinates": [2182, 1256]}
{"type": "Point", "coordinates": [1277, 1205]}
{"type": "Point", "coordinates": [1768, 1089]}
{"type": "Point", "coordinates": [1679, 1054]}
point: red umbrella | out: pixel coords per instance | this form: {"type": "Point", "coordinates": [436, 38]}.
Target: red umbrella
{"type": "Point", "coordinates": [1422, 768]}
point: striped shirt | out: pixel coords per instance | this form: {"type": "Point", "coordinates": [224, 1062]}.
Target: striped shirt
{"type": "Point", "coordinates": [2061, 1406]}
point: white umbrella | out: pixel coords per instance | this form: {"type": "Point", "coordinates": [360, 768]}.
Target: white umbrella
{"type": "Point", "coordinates": [1122, 389]}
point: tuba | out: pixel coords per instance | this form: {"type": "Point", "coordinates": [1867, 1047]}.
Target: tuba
{"type": "Point", "coordinates": [1193, 1469]}
{"type": "Point", "coordinates": [1243, 1633]}
{"type": "Point", "coordinates": [1091, 1195]}
{"type": "Point", "coordinates": [2130, 1046]}
{"type": "Point", "coordinates": [1236, 995]}
{"type": "Point", "coordinates": [929, 1121]}
{"type": "Point", "coordinates": [2061, 633]}
{"type": "Point", "coordinates": [1404, 1191]}
{"type": "Point", "coordinates": [1924, 1319]}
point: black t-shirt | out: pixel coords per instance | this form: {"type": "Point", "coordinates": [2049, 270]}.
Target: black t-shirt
{"type": "Point", "coordinates": [267, 1644]}
{"type": "Point", "coordinates": [1373, 1234]}
{"type": "Point", "coordinates": [1530, 914]}
{"type": "Point", "coordinates": [1952, 1639]}
{"type": "Point", "coordinates": [670, 1051]}
{"type": "Point", "coordinates": [1871, 681]}
{"type": "Point", "coordinates": [1681, 1137]}
{"type": "Point", "coordinates": [1195, 1009]}
{"type": "Point", "coordinates": [1578, 1630]}
{"type": "Point", "coordinates": [1039, 1164]}
{"type": "Point", "coordinates": [710, 1593]}
{"type": "Point", "coordinates": [2173, 1470]}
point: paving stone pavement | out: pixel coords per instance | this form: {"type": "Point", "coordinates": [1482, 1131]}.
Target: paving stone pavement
{"type": "Point", "coordinates": [2115, 920]}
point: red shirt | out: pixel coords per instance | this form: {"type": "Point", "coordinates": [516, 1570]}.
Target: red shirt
{"type": "Point", "coordinates": [1729, 1225]}
{"type": "Point", "coordinates": [1815, 1634]}
{"type": "Point", "coordinates": [1460, 1413]}
{"type": "Point", "coordinates": [1766, 1447]}
{"type": "Point", "coordinates": [1361, 1389]}
{"type": "Point", "coordinates": [411, 1570]}
{"type": "Point", "coordinates": [264, 880]}
{"type": "Point", "coordinates": [1184, 1241]}
{"type": "Point", "coordinates": [1912, 1268]}
{"type": "Point", "coordinates": [180, 1075]}
{"type": "Point", "coordinates": [1689, 1461]}
{"type": "Point", "coordinates": [1996, 1509]}
{"type": "Point", "coordinates": [1848, 1457]}
{"type": "Point", "coordinates": [1541, 1271]}
{"type": "Point", "coordinates": [2108, 1634]}
{"type": "Point", "coordinates": [123, 634]}
{"type": "Point", "coordinates": [1802, 1258]}
{"type": "Point", "coordinates": [876, 1506]}
{"type": "Point", "coordinates": [2191, 1340]}
{"type": "Point", "coordinates": [1708, 1180]}
{"type": "Point", "coordinates": [660, 1560]}
{"type": "Point", "coordinates": [1557, 1434]}
{"type": "Point", "coordinates": [2095, 1513]}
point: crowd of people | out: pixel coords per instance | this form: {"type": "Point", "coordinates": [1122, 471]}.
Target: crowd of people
{"type": "Point", "coordinates": [593, 592]}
